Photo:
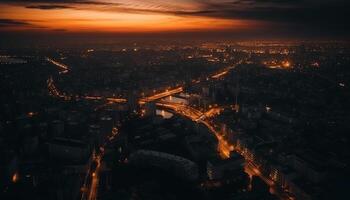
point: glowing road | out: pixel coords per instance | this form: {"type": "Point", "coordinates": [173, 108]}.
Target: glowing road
{"type": "Point", "coordinates": [90, 185]}
{"type": "Point", "coordinates": [213, 112]}
{"type": "Point", "coordinates": [116, 100]}
{"type": "Point", "coordinates": [224, 147]}
{"type": "Point", "coordinates": [63, 68]}
{"type": "Point", "coordinates": [222, 73]}
{"type": "Point", "coordinates": [95, 178]}
{"type": "Point", "coordinates": [53, 91]}
{"type": "Point", "coordinates": [90, 192]}
{"type": "Point", "coordinates": [161, 95]}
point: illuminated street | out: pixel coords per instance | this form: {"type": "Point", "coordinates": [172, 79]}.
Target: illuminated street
{"type": "Point", "coordinates": [63, 68]}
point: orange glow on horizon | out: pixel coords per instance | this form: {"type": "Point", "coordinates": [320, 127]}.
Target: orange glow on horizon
{"type": "Point", "coordinates": [87, 19]}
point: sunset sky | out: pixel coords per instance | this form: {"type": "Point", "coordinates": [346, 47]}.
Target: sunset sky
{"type": "Point", "coordinates": [324, 17]}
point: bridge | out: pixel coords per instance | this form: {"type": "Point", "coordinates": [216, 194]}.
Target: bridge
{"type": "Point", "coordinates": [161, 95]}
{"type": "Point", "coordinates": [182, 109]}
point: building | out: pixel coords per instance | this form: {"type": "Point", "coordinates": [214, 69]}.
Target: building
{"type": "Point", "coordinates": [150, 109]}
{"type": "Point", "coordinates": [106, 125]}
{"type": "Point", "coordinates": [176, 165]}
{"type": "Point", "coordinates": [217, 167]}
{"type": "Point", "coordinates": [57, 128]}
{"type": "Point", "coordinates": [95, 136]}
{"type": "Point", "coordinates": [68, 149]}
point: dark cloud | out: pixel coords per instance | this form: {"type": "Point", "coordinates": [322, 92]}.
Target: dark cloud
{"type": "Point", "coordinates": [60, 30]}
{"type": "Point", "coordinates": [10, 22]}
{"type": "Point", "coordinates": [49, 7]}
{"type": "Point", "coordinates": [5, 23]}
{"type": "Point", "coordinates": [57, 2]}
{"type": "Point", "coordinates": [319, 15]}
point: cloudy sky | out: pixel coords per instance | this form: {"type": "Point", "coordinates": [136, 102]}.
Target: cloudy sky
{"type": "Point", "coordinates": [319, 17]}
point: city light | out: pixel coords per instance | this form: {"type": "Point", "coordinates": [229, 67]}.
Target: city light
{"type": "Point", "coordinates": [15, 177]}
{"type": "Point", "coordinates": [64, 68]}
{"type": "Point", "coordinates": [286, 64]}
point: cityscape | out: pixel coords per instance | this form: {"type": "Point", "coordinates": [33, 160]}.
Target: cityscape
{"type": "Point", "coordinates": [153, 100]}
